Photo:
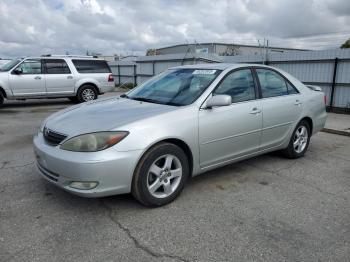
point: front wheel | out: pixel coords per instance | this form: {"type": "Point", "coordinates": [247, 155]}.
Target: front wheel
{"type": "Point", "coordinates": [87, 93]}
{"type": "Point", "coordinates": [1, 99]}
{"type": "Point", "coordinates": [299, 142]}
{"type": "Point", "coordinates": [160, 175]}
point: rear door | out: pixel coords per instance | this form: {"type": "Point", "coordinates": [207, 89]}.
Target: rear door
{"type": "Point", "coordinates": [232, 131]}
{"type": "Point", "coordinates": [59, 78]}
{"type": "Point", "coordinates": [27, 79]}
{"type": "Point", "coordinates": [281, 105]}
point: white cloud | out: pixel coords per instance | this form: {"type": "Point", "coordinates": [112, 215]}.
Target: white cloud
{"type": "Point", "coordinates": [34, 27]}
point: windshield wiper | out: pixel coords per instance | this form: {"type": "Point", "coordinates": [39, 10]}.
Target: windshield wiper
{"type": "Point", "coordinates": [124, 96]}
{"type": "Point", "coordinates": [144, 99]}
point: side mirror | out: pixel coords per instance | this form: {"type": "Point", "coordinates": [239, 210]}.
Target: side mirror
{"type": "Point", "coordinates": [219, 100]}
{"type": "Point", "coordinates": [17, 71]}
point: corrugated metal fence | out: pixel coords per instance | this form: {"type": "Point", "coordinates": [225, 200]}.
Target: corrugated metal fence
{"type": "Point", "coordinates": [329, 69]}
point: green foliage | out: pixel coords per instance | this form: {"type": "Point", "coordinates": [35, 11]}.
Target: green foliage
{"type": "Point", "coordinates": [346, 44]}
{"type": "Point", "coordinates": [151, 52]}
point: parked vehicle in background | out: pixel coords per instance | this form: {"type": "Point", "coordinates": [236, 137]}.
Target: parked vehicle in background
{"type": "Point", "coordinates": [79, 78]}
{"type": "Point", "coordinates": [4, 61]}
{"type": "Point", "coordinates": [181, 123]}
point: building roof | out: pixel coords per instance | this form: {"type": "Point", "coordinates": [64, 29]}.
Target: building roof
{"type": "Point", "coordinates": [230, 44]}
{"type": "Point", "coordinates": [180, 56]}
{"type": "Point", "coordinates": [217, 66]}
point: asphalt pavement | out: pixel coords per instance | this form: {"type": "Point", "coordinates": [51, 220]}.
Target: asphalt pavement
{"type": "Point", "coordinates": [264, 209]}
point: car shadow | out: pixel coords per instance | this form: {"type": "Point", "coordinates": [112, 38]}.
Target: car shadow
{"type": "Point", "coordinates": [43, 102]}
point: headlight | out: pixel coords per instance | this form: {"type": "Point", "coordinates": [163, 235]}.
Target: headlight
{"type": "Point", "coordinates": [94, 141]}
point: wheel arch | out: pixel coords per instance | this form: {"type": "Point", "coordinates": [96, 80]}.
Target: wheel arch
{"type": "Point", "coordinates": [175, 141]}
{"type": "Point", "coordinates": [2, 91]}
{"type": "Point", "coordinates": [89, 84]}
{"type": "Point", "coordinates": [309, 121]}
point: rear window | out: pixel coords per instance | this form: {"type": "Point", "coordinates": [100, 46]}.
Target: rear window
{"type": "Point", "coordinates": [91, 66]}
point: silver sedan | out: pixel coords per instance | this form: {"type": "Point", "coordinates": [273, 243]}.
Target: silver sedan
{"type": "Point", "coordinates": [181, 123]}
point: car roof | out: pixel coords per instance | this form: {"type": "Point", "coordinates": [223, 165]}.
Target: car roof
{"type": "Point", "coordinates": [64, 57]}
{"type": "Point", "coordinates": [216, 66]}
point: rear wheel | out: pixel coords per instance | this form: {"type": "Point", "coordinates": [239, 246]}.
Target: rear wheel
{"type": "Point", "coordinates": [160, 175]}
{"type": "Point", "coordinates": [87, 93]}
{"type": "Point", "coordinates": [299, 142]}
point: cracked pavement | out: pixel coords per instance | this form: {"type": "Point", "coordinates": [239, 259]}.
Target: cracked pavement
{"type": "Point", "coordinates": [264, 209]}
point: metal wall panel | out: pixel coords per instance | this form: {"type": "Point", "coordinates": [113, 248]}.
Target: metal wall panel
{"type": "Point", "coordinates": [342, 96]}
{"type": "Point", "coordinates": [308, 72]}
{"type": "Point", "coordinates": [343, 72]}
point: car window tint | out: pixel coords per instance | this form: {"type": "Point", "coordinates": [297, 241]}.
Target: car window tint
{"type": "Point", "coordinates": [56, 66]}
{"type": "Point", "coordinates": [291, 89]}
{"type": "Point", "coordinates": [91, 66]}
{"type": "Point", "coordinates": [271, 83]}
{"type": "Point", "coordinates": [239, 85]}
{"type": "Point", "coordinates": [30, 67]}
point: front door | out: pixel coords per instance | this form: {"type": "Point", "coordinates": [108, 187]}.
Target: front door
{"type": "Point", "coordinates": [27, 79]}
{"type": "Point", "coordinates": [229, 132]}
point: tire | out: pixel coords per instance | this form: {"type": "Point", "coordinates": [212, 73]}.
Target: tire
{"type": "Point", "coordinates": [1, 99]}
{"type": "Point", "coordinates": [297, 149]}
{"type": "Point", "coordinates": [87, 93]}
{"type": "Point", "coordinates": [160, 175]}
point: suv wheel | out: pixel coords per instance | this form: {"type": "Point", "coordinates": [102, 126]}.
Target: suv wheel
{"type": "Point", "coordinates": [87, 93]}
{"type": "Point", "coordinates": [160, 175]}
{"type": "Point", "coordinates": [299, 141]}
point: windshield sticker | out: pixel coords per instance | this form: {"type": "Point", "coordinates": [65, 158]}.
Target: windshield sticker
{"type": "Point", "coordinates": [204, 72]}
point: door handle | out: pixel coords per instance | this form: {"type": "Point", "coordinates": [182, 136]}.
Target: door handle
{"type": "Point", "coordinates": [37, 77]}
{"type": "Point", "coordinates": [255, 111]}
{"type": "Point", "coordinates": [297, 103]}
{"type": "Point", "coordinates": [69, 77]}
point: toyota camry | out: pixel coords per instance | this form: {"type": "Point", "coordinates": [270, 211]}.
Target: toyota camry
{"type": "Point", "coordinates": [180, 123]}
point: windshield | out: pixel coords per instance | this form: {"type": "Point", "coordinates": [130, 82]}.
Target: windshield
{"type": "Point", "coordinates": [177, 87]}
{"type": "Point", "coordinates": [9, 65]}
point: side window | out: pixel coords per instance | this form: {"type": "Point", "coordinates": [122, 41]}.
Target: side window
{"type": "Point", "coordinates": [91, 66]}
{"type": "Point", "coordinates": [271, 83]}
{"type": "Point", "coordinates": [56, 66]}
{"type": "Point", "coordinates": [291, 89]}
{"type": "Point", "coordinates": [29, 67]}
{"type": "Point", "coordinates": [239, 85]}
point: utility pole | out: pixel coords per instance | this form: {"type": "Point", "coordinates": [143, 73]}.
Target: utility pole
{"type": "Point", "coordinates": [266, 51]}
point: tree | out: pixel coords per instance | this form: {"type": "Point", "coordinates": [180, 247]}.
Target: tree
{"type": "Point", "coordinates": [151, 52]}
{"type": "Point", "coordinates": [346, 44]}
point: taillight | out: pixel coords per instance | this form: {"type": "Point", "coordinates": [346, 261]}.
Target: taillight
{"type": "Point", "coordinates": [325, 99]}
{"type": "Point", "coordinates": [110, 78]}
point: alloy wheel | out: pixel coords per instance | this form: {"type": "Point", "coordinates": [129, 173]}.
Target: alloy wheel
{"type": "Point", "coordinates": [164, 176]}
{"type": "Point", "coordinates": [300, 139]}
{"type": "Point", "coordinates": [88, 94]}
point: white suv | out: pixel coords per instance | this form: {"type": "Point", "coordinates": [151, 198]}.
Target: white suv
{"type": "Point", "coordinates": [76, 77]}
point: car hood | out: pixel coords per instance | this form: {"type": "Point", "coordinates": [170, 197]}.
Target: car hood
{"type": "Point", "coordinates": [103, 115]}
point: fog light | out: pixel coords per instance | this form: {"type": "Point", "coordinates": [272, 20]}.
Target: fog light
{"type": "Point", "coordinates": [83, 185]}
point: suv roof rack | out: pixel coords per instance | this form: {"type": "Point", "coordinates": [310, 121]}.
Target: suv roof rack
{"type": "Point", "coordinates": [80, 56]}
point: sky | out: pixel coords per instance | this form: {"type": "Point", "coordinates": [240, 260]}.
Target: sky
{"type": "Point", "coordinates": [125, 27]}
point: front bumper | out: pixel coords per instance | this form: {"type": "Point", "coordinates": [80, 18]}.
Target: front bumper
{"type": "Point", "coordinates": [113, 170]}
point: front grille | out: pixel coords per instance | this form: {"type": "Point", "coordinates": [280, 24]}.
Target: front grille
{"type": "Point", "coordinates": [53, 138]}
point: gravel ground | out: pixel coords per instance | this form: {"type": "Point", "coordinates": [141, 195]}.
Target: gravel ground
{"type": "Point", "coordinates": [264, 209]}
